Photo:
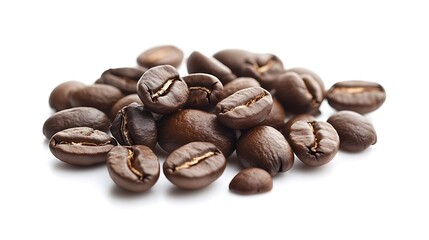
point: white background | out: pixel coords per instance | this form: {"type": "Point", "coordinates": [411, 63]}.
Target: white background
{"type": "Point", "coordinates": [379, 194]}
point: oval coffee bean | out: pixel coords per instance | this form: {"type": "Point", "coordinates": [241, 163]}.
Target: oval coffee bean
{"type": "Point", "coordinates": [234, 59]}
{"type": "Point", "coordinates": [59, 98]}
{"type": "Point", "coordinates": [134, 125]}
{"type": "Point", "coordinates": [245, 108]}
{"type": "Point", "coordinates": [100, 96]}
{"type": "Point", "coordinates": [123, 102]}
{"type": "Point", "coordinates": [81, 146]}
{"type": "Point", "coordinates": [204, 90]}
{"type": "Point", "coordinates": [359, 96]}
{"type": "Point", "coordinates": [125, 79]}
{"type": "Point", "coordinates": [286, 128]}
{"type": "Point", "coordinates": [133, 168]}
{"type": "Point", "coordinates": [199, 63]}
{"type": "Point", "coordinates": [355, 131]}
{"type": "Point", "coordinates": [161, 55]}
{"type": "Point", "coordinates": [194, 165]}
{"type": "Point", "coordinates": [276, 117]}
{"type": "Point", "coordinates": [306, 73]}
{"type": "Point", "coordinates": [251, 181]}
{"type": "Point", "coordinates": [265, 147]}
{"type": "Point", "coordinates": [299, 93]}
{"type": "Point", "coordinates": [162, 90]}
{"type": "Point", "coordinates": [238, 84]}
{"type": "Point", "coordinates": [315, 143]}
{"type": "Point", "coordinates": [76, 117]}
{"type": "Point", "coordinates": [191, 125]}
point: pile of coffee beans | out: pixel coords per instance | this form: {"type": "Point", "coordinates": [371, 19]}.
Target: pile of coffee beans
{"type": "Point", "coordinates": [233, 101]}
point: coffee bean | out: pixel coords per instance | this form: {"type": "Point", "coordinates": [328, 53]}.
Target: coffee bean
{"type": "Point", "coordinates": [161, 55]}
{"type": "Point", "coordinates": [276, 117]}
{"type": "Point", "coordinates": [234, 59]}
{"type": "Point", "coordinates": [81, 146]}
{"type": "Point", "coordinates": [191, 125]}
{"type": "Point", "coordinates": [265, 147]}
{"type": "Point", "coordinates": [204, 90]}
{"type": "Point", "coordinates": [125, 79]}
{"type": "Point", "coordinates": [299, 93]}
{"type": "Point", "coordinates": [133, 168]}
{"type": "Point", "coordinates": [286, 128]}
{"type": "Point", "coordinates": [355, 131]}
{"type": "Point", "coordinates": [59, 98]}
{"type": "Point", "coordinates": [315, 143]}
{"type": "Point", "coordinates": [238, 84]}
{"type": "Point", "coordinates": [123, 102]}
{"type": "Point", "coordinates": [76, 117]}
{"type": "Point", "coordinates": [134, 125]}
{"type": "Point", "coordinates": [251, 181]}
{"type": "Point", "coordinates": [245, 108]}
{"type": "Point", "coordinates": [194, 165]}
{"type": "Point", "coordinates": [199, 63]}
{"type": "Point", "coordinates": [162, 90]}
{"type": "Point", "coordinates": [307, 73]}
{"type": "Point", "coordinates": [359, 96]}
{"type": "Point", "coordinates": [100, 96]}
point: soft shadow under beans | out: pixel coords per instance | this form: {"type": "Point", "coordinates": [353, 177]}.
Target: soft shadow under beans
{"type": "Point", "coordinates": [179, 193]}
{"type": "Point", "coordinates": [64, 167]}
{"type": "Point", "coordinates": [122, 194]}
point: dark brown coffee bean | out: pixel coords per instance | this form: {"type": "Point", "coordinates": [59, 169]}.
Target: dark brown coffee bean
{"type": "Point", "coordinates": [59, 98]}
{"type": "Point", "coordinates": [76, 117]}
{"type": "Point", "coordinates": [307, 73]}
{"type": "Point", "coordinates": [134, 125]}
{"type": "Point", "coordinates": [191, 125]}
{"type": "Point", "coordinates": [162, 90]}
{"type": "Point", "coordinates": [125, 79]}
{"type": "Point", "coordinates": [299, 93]}
{"type": "Point", "coordinates": [355, 131]}
{"type": "Point", "coordinates": [265, 147]}
{"type": "Point", "coordinates": [133, 168]}
{"type": "Point", "coordinates": [276, 117]}
{"type": "Point", "coordinates": [251, 181]}
{"type": "Point", "coordinates": [161, 55]}
{"type": "Point", "coordinates": [199, 63]}
{"type": "Point", "coordinates": [359, 96]}
{"type": "Point", "coordinates": [123, 102]}
{"type": "Point", "coordinates": [194, 165]}
{"type": "Point", "coordinates": [81, 146]}
{"type": "Point", "coordinates": [286, 128]}
{"type": "Point", "coordinates": [315, 143]}
{"type": "Point", "coordinates": [238, 84]}
{"type": "Point", "coordinates": [100, 96]}
{"type": "Point", "coordinates": [234, 59]}
{"type": "Point", "coordinates": [204, 90]}
{"type": "Point", "coordinates": [245, 108]}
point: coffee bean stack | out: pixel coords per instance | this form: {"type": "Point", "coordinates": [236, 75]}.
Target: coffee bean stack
{"type": "Point", "coordinates": [234, 101]}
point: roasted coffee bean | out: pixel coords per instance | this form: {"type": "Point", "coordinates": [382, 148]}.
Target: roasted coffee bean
{"type": "Point", "coordinates": [359, 96]}
{"type": "Point", "coordinates": [251, 181]}
{"type": "Point", "coordinates": [286, 128]}
{"type": "Point", "coordinates": [134, 125]}
{"type": "Point", "coordinates": [265, 147]}
{"type": "Point", "coordinates": [194, 165]}
{"type": "Point", "coordinates": [276, 117]}
{"type": "Point", "coordinates": [315, 143]}
{"type": "Point", "coordinates": [123, 102]}
{"type": "Point", "coordinates": [234, 59]}
{"type": "Point", "coordinates": [307, 73]}
{"type": "Point", "coordinates": [125, 79]}
{"type": "Point", "coordinates": [161, 55]}
{"type": "Point", "coordinates": [81, 146]}
{"type": "Point", "coordinates": [162, 90]}
{"type": "Point", "coordinates": [238, 84]}
{"type": "Point", "coordinates": [299, 93]}
{"type": "Point", "coordinates": [133, 168]}
{"type": "Point", "coordinates": [204, 90]}
{"type": "Point", "coordinates": [76, 117]}
{"type": "Point", "coordinates": [355, 131]}
{"type": "Point", "coordinates": [59, 98]}
{"type": "Point", "coordinates": [191, 125]}
{"type": "Point", "coordinates": [245, 108]}
{"type": "Point", "coordinates": [100, 96]}
{"type": "Point", "coordinates": [199, 63]}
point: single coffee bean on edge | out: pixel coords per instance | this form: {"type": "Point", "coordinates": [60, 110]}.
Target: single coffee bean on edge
{"type": "Point", "coordinates": [251, 181]}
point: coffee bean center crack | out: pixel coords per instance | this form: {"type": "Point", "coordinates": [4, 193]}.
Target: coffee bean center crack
{"type": "Point", "coordinates": [356, 89]}
{"type": "Point", "coordinates": [313, 149]}
{"type": "Point", "coordinates": [165, 87]}
{"type": "Point", "coordinates": [130, 161]}
{"type": "Point", "coordinates": [194, 161]}
{"type": "Point", "coordinates": [264, 68]}
{"type": "Point", "coordinates": [81, 143]}
{"type": "Point", "coordinates": [247, 104]}
{"type": "Point", "coordinates": [124, 129]}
